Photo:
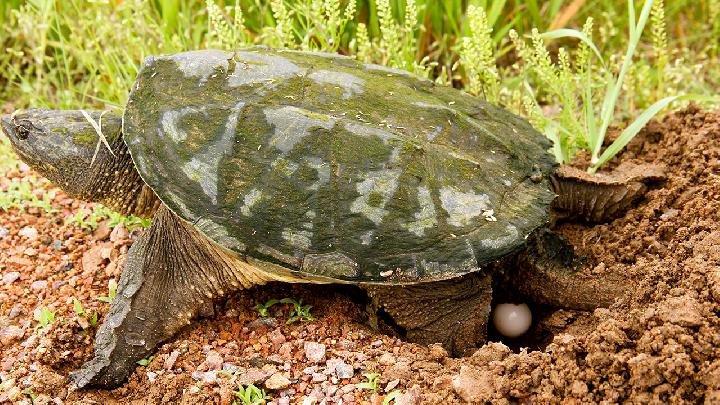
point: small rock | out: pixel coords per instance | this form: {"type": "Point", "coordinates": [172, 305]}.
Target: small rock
{"type": "Point", "coordinates": [10, 277]}
{"type": "Point", "coordinates": [151, 376]}
{"type": "Point", "coordinates": [391, 385]}
{"type": "Point", "coordinates": [207, 377]}
{"type": "Point", "coordinates": [28, 232]}
{"type": "Point", "coordinates": [170, 361]}
{"type": "Point", "coordinates": [213, 360]}
{"type": "Point", "coordinates": [437, 352]}
{"type": "Point", "coordinates": [314, 352]}
{"type": "Point", "coordinates": [683, 311]}
{"type": "Point", "coordinates": [413, 396]}
{"type": "Point", "coordinates": [4, 232]}
{"type": "Point", "coordinates": [252, 377]}
{"type": "Point", "coordinates": [319, 377]}
{"type": "Point", "coordinates": [231, 368]}
{"type": "Point", "coordinates": [259, 323]}
{"type": "Point", "coordinates": [102, 231]}
{"type": "Point", "coordinates": [472, 386]}
{"type": "Point", "coordinates": [376, 344]}
{"type": "Point", "coordinates": [119, 234]}
{"type": "Point", "coordinates": [343, 370]}
{"type": "Point", "coordinates": [277, 381]}
{"type": "Point", "coordinates": [39, 285]}
{"type": "Point", "coordinates": [32, 252]}
{"type": "Point", "coordinates": [15, 311]}
{"type": "Point", "coordinates": [9, 334]}
{"type": "Point", "coordinates": [194, 389]}
{"type": "Point", "coordinates": [386, 359]}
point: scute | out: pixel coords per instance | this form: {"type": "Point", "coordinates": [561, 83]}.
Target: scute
{"type": "Point", "coordinates": [333, 169]}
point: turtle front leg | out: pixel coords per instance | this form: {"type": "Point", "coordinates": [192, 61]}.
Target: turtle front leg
{"type": "Point", "coordinates": [171, 271]}
{"type": "Point", "coordinates": [451, 312]}
{"type": "Point", "coordinates": [549, 272]}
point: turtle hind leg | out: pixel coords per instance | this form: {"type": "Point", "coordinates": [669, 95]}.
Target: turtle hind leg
{"type": "Point", "coordinates": [171, 273]}
{"type": "Point", "coordinates": [451, 312]}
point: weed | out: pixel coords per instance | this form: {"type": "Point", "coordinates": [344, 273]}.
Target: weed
{"type": "Point", "coordinates": [263, 309]}
{"type": "Point", "coordinates": [45, 318]}
{"type": "Point", "coordinates": [299, 312]}
{"type": "Point", "coordinates": [586, 128]}
{"type": "Point", "coordinates": [89, 218]}
{"type": "Point", "coordinates": [371, 383]}
{"type": "Point", "coordinates": [250, 395]}
{"type": "Point", "coordinates": [84, 319]}
{"type": "Point", "coordinates": [478, 56]}
{"type": "Point", "coordinates": [112, 290]}
{"type": "Point", "coordinates": [144, 362]}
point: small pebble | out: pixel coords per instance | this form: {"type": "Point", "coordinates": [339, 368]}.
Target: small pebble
{"type": "Point", "coordinates": [10, 277]}
{"type": "Point", "coordinates": [343, 370]}
{"type": "Point", "coordinates": [277, 381]}
{"type": "Point", "coordinates": [314, 352]}
{"type": "Point", "coordinates": [28, 232]}
{"type": "Point", "coordinates": [39, 285]}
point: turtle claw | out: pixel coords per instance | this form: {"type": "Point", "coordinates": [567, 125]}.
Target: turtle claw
{"type": "Point", "coordinates": [172, 272]}
{"type": "Point", "coordinates": [137, 322]}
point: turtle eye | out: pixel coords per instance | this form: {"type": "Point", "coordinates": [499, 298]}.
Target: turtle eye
{"type": "Point", "coordinates": [23, 129]}
{"type": "Point", "coordinates": [22, 132]}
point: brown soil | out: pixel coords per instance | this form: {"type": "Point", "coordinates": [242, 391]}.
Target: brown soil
{"type": "Point", "coordinates": [660, 343]}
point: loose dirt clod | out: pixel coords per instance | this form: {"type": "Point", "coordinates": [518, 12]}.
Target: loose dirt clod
{"type": "Point", "coordinates": [660, 343]}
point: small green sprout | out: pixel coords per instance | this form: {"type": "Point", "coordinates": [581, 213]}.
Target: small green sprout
{"type": "Point", "coordinates": [29, 392]}
{"type": "Point", "coordinates": [250, 395]}
{"type": "Point", "coordinates": [45, 318]}
{"type": "Point", "coordinates": [299, 311]}
{"type": "Point", "coordinates": [112, 290]}
{"type": "Point", "coordinates": [83, 317]}
{"type": "Point", "coordinates": [391, 396]}
{"type": "Point", "coordinates": [371, 384]}
{"type": "Point", "coordinates": [263, 309]}
{"type": "Point", "coordinates": [144, 362]}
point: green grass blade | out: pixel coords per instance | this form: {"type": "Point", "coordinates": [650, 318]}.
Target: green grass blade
{"type": "Point", "coordinates": [629, 133]}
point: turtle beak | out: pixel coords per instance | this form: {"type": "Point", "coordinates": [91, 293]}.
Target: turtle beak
{"type": "Point", "coordinates": [8, 126]}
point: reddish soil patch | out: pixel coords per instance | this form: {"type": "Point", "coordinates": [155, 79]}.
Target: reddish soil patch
{"type": "Point", "coordinates": [659, 343]}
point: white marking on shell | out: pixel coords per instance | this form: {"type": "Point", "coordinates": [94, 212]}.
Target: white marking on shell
{"type": "Point", "coordinates": [463, 207]}
{"type": "Point", "coordinates": [219, 234]}
{"type": "Point", "coordinates": [200, 64]}
{"type": "Point", "coordinates": [498, 242]}
{"type": "Point", "coordinates": [171, 118]}
{"type": "Point", "coordinates": [249, 200]}
{"type": "Point", "coordinates": [298, 238]}
{"type": "Point", "coordinates": [254, 67]}
{"type": "Point", "coordinates": [435, 106]}
{"type": "Point", "coordinates": [292, 124]}
{"type": "Point", "coordinates": [432, 135]}
{"type": "Point", "coordinates": [381, 68]}
{"type": "Point", "coordinates": [366, 238]}
{"type": "Point", "coordinates": [369, 131]}
{"type": "Point", "coordinates": [350, 83]}
{"type": "Point", "coordinates": [384, 182]}
{"type": "Point", "coordinates": [323, 171]}
{"type": "Point", "coordinates": [203, 167]}
{"type": "Point", "coordinates": [426, 217]}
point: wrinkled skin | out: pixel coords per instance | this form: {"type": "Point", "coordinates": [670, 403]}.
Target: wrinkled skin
{"type": "Point", "coordinates": [210, 239]}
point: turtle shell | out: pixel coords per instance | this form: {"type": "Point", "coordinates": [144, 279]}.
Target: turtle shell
{"type": "Point", "coordinates": [330, 168]}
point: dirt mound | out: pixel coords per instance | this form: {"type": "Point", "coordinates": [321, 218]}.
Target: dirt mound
{"type": "Point", "coordinates": [659, 343]}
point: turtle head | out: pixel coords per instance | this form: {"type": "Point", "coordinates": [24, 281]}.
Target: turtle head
{"type": "Point", "coordinates": [62, 145]}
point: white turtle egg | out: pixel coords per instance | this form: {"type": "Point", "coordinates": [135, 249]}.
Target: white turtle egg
{"type": "Point", "coordinates": [512, 320]}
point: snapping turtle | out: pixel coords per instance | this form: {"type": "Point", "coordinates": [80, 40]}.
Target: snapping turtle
{"type": "Point", "coordinates": [266, 165]}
